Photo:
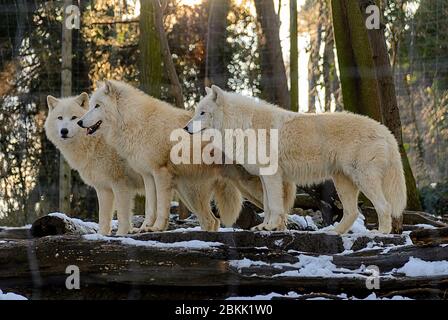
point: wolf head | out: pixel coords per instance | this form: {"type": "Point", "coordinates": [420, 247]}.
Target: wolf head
{"type": "Point", "coordinates": [63, 115]}
{"type": "Point", "coordinates": [209, 113]}
{"type": "Point", "coordinates": [103, 108]}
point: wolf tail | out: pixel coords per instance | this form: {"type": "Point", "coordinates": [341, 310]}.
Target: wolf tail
{"type": "Point", "coordinates": [228, 201]}
{"type": "Point", "coordinates": [394, 187]}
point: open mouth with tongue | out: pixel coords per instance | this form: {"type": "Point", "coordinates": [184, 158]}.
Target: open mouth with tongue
{"type": "Point", "coordinates": [94, 128]}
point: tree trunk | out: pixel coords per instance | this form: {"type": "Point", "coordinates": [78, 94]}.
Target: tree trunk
{"type": "Point", "coordinates": [419, 143]}
{"type": "Point", "coordinates": [176, 88]}
{"type": "Point", "coordinates": [153, 49]}
{"type": "Point", "coordinates": [216, 65]}
{"type": "Point", "coordinates": [389, 105]}
{"type": "Point", "coordinates": [331, 80]}
{"type": "Point", "coordinates": [294, 58]}
{"type": "Point", "coordinates": [366, 76]}
{"type": "Point", "coordinates": [65, 175]}
{"type": "Point", "coordinates": [150, 52]}
{"type": "Point", "coordinates": [356, 65]}
{"type": "Point", "coordinates": [274, 83]}
{"type": "Point", "coordinates": [313, 62]}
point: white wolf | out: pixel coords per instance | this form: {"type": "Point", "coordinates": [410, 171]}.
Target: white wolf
{"type": "Point", "coordinates": [139, 127]}
{"type": "Point", "coordinates": [358, 153]}
{"type": "Point", "coordinates": [100, 166]}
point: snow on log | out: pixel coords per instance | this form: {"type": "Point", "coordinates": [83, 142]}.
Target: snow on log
{"type": "Point", "coordinates": [182, 269]}
{"type": "Point", "coordinates": [189, 263]}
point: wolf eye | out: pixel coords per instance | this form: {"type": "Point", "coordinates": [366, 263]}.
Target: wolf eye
{"type": "Point", "coordinates": [74, 118]}
{"type": "Point", "coordinates": [97, 106]}
{"type": "Point", "coordinates": [59, 118]}
{"type": "Point", "coordinates": [202, 113]}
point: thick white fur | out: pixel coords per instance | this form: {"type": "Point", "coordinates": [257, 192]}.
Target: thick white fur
{"type": "Point", "coordinates": [97, 163]}
{"type": "Point", "coordinates": [116, 183]}
{"type": "Point", "coordinates": [358, 153]}
{"type": "Point", "coordinates": [139, 127]}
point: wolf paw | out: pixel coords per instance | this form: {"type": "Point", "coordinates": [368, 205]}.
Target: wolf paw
{"type": "Point", "coordinates": [156, 228]}
{"type": "Point", "coordinates": [105, 232]}
{"type": "Point", "coordinates": [144, 228]}
{"type": "Point", "coordinates": [260, 227]}
{"type": "Point", "coordinates": [269, 227]}
{"type": "Point", "coordinates": [337, 230]}
{"type": "Point", "coordinates": [135, 230]}
{"type": "Point", "coordinates": [123, 232]}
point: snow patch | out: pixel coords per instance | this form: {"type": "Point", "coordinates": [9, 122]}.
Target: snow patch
{"type": "Point", "coordinates": [191, 229]}
{"type": "Point", "coordinates": [416, 267]}
{"type": "Point", "coordinates": [307, 266]}
{"type": "Point", "coordinates": [26, 227]}
{"type": "Point", "coordinates": [408, 242]}
{"type": "Point", "coordinates": [357, 228]}
{"type": "Point", "coordinates": [305, 222]}
{"type": "Point", "coordinates": [373, 296]}
{"type": "Point", "coordinates": [198, 228]}
{"type": "Point", "coordinates": [246, 263]}
{"type": "Point", "coordinates": [192, 244]}
{"type": "Point", "coordinates": [425, 226]}
{"type": "Point", "coordinates": [278, 242]}
{"type": "Point", "coordinates": [359, 225]}
{"type": "Point", "coordinates": [269, 296]}
{"type": "Point", "coordinates": [320, 266]}
{"type": "Point", "coordinates": [292, 295]}
{"type": "Point", "coordinates": [84, 227]}
{"type": "Point", "coordinates": [11, 296]}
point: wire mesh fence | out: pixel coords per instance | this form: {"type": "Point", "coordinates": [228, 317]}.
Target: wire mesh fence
{"type": "Point", "coordinates": [108, 45]}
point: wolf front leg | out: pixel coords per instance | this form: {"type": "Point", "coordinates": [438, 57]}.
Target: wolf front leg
{"type": "Point", "coordinates": [150, 203]}
{"type": "Point", "coordinates": [106, 206]}
{"type": "Point", "coordinates": [273, 193]}
{"type": "Point", "coordinates": [123, 202]}
{"type": "Point", "coordinates": [164, 190]}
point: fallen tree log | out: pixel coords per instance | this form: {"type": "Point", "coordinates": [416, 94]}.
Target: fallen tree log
{"type": "Point", "coordinates": [60, 224]}
{"type": "Point", "coordinates": [205, 265]}
{"type": "Point", "coordinates": [312, 242]}
{"type": "Point", "coordinates": [409, 218]}
{"type": "Point", "coordinates": [430, 236]}
{"type": "Point", "coordinates": [111, 269]}
{"type": "Point", "coordinates": [15, 233]}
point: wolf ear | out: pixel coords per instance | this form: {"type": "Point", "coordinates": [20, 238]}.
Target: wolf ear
{"type": "Point", "coordinates": [52, 102]}
{"type": "Point", "coordinates": [83, 100]}
{"type": "Point", "coordinates": [109, 88]}
{"type": "Point", "coordinates": [208, 90]}
{"type": "Point", "coordinates": [217, 94]}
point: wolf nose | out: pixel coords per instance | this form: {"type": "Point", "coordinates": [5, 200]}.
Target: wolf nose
{"type": "Point", "coordinates": [64, 131]}
{"type": "Point", "coordinates": [186, 129]}
{"type": "Point", "coordinates": [80, 123]}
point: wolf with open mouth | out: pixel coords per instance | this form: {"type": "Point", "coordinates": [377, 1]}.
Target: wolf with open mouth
{"type": "Point", "coordinates": [138, 127]}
